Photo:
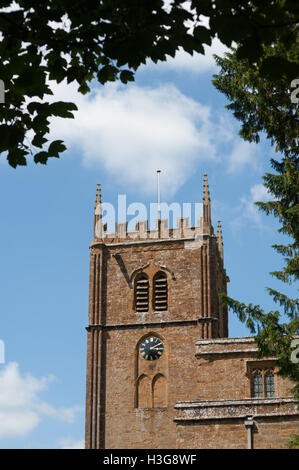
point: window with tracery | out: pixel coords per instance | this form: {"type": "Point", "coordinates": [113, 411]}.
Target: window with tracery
{"type": "Point", "coordinates": [262, 383]}
{"type": "Point", "coordinates": [257, 385]}
{"type": "Point", "coordinates": [269, 384]}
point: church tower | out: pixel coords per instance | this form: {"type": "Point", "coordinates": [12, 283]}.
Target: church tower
{"type": "Point", "coordinates": [152, 295]}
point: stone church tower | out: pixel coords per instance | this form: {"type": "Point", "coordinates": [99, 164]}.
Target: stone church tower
{"type": "Point", "coordinates": [153, 295]}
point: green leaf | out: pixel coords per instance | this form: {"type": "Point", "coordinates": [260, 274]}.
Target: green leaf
{"type": "Point", "coordinates": [126, 76]}
{"type": "Point", "coordinates": [276, 67]}
{"type": "Point", "coordinates": [16, 156]}
{"type": "Point", "coordinates": [84, 88]}
{"type": "Point", "coordinates": [39, 140]}
{"type": "Point", "coordinates": [250, 48]}
{"type": "Point", "coordinates": [55, 148]}
{"type": "Point", "coordinates": [107, 74]}
{"type": "Point", "coordinates": [63, 109]}
{"type": "Point", "coordinates": [203, 35]}
{"type": "Point", "coordinates": [41, 157]}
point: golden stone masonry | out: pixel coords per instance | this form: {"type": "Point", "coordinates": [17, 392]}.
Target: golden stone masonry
{"type": "Point", "coordinates": [161, 370]}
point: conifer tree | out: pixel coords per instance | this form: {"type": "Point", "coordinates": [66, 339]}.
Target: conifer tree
{"type": "Point", "coordinates": [265, 105]}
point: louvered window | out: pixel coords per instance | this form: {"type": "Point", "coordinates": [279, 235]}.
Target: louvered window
{"type": "Point", "coordinates": [141, 293]}
{"type": "Point", "coordinates": [160, 292]}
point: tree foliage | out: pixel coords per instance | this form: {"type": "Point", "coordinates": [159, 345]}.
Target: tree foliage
{"type": "Point", "coordinates": [264, 104]}
{"type": "Point", "coordinates": [108, 40]}
{"type": "Point", "coordinates": [274, 335]}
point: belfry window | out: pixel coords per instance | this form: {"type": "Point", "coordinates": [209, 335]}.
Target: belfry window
{"type": "Point", "coordinates": [141, 293]}
{"type": "Point", "coordinates": [160, 292]}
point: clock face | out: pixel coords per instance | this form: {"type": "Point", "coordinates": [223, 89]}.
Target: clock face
{"type": "Point", "coordinates": [151, 348]}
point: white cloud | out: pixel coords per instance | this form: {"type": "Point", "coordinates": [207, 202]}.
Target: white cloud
{"type": "Point", "coordinates": [70, 443]}
{"type": "Point", "coordinates": [21, 408]}
{"type": "Point", "coordinates": [243, 154]}
{"type": "Point", "coordinates": [259, 192]}
{"type": "Point", "coordinates": [185, 62]}
{"type": "Point", "coordinates": [249, 211]}
{"type": "Point", "coordinates": [131, 131]}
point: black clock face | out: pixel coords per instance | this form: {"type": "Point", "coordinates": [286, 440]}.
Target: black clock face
{"type": "Point", "coordinates": [151, 348]}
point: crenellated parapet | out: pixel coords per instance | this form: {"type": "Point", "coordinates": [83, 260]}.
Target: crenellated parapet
{"type": "Point", "coordinates": [182, 230]}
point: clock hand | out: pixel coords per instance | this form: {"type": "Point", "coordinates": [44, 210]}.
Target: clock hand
{"type": "Point", "coordinates": [155, 345]}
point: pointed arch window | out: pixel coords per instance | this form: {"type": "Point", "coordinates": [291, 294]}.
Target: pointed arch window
{"type": "Point", "coordinates": [269, 384]}
{"type": "Point", "coordinates": [262, 383]}
{"type": "Point", "coordinates": [141, 296]}
{"type": "Point", "coordinates": [143, 392]}
{"type": "Point", "coordinates": [160, 292]}
{"type": "Point", "coordinates": [159, 391]}
{"type": "Point", "coordinates": [257, 385]}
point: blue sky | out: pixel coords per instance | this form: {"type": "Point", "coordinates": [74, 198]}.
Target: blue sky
{"type": "Point", "coordinates": [171, 118]}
